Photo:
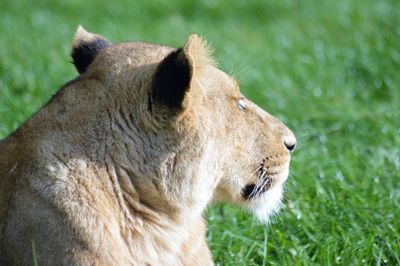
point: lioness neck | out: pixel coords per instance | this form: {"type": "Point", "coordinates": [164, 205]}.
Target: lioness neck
{"type": "Point", "coordinates": [125, 201]}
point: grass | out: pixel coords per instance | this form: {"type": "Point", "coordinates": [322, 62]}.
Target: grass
{"type": "Point", "coordinates": [329, 69]}
{"type": "Point", "coordinates": [35, 258]}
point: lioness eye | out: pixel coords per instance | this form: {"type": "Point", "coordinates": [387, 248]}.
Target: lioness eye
{"type": "Point", "coordinates": [241, 104]}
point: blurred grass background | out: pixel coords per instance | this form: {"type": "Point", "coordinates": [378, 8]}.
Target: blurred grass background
{"type": "Point", "coordinates": [329, 69]}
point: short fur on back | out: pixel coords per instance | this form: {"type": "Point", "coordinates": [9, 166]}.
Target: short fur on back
{"type": "Point", "coordinates": [119, 166]}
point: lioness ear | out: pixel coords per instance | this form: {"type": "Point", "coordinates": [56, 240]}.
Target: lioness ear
{"type": "Point", "coordinates": [172, 79]}
{"type": "Point", "coordinates": [174, 74]}
{"type": "Point", "coordinates": [85, 47]}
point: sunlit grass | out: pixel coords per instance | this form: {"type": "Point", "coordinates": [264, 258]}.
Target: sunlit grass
{"type": "Point", "coordinates": [329, 69]}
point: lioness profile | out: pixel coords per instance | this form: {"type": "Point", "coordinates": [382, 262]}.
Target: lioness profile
{"type": "Point", "coordinates": [119, 166]}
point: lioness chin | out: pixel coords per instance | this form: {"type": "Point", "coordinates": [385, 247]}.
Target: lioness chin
{"type": "Point", "coordinates": [119, 166]}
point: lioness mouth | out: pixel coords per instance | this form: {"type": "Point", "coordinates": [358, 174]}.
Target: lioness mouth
{"type": "Point", "coordinates": [253, 190]}
{"type": "Point", "coordinates": [264, 181]}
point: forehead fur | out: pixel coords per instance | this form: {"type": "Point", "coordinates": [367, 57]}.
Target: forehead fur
{"type": "Point", "coordinates": [199, 52]}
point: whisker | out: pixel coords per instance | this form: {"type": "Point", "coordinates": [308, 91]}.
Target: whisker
{"type": "Point", "coordinates": [264, 182]}
{"type": "Point", "coordinates": [258, 169]}
{"type": "Point", "coordinates": [257, 186]}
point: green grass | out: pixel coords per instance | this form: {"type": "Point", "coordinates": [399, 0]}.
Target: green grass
{"type": "Point", "coordinates": [329, 69]}
{"type": "Point", "coordinates": [35, 258]}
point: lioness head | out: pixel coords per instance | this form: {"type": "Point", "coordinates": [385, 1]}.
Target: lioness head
{"type": "Point", "coordinates": [180, 130]}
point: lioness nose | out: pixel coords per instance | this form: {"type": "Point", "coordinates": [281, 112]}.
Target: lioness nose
{"type": "Point", "coordinates": [290, 142]}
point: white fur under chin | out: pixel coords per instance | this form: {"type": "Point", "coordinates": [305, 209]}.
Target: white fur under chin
{"type": "Point", "coordinates": [267, 204]}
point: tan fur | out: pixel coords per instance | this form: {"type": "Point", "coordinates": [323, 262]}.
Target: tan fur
{"type": "Point", "coordinates": [94, 178]}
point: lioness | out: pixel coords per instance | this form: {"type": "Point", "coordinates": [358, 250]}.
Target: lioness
{"type": "Point", "coordinates": [119, 166]}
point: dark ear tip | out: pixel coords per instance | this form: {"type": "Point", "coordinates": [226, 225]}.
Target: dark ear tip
{"type": "Point", "coordinates": [85, 47]}
{"type": "Point", "coordinates": [84, 53]}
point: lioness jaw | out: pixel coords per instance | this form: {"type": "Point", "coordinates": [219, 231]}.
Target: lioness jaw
{"type": "Point", "coordinates": [118, 167]}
